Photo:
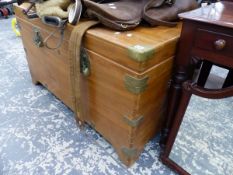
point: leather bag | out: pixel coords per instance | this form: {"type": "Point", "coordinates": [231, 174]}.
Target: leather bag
{"type": "Point", "coordinates": [116, 14]}
{"type": "Point", "coordinates": [127, 14]}
{"type": "Point", "coordinates": [163, 12]}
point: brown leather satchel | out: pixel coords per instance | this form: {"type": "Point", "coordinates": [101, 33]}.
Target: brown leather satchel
{"type": "Point", "coordinates": [127, 14]}
{"type": "Point", "coordinates": [160, 12]}
{"type": "Point", "coordinates": [116, 14]}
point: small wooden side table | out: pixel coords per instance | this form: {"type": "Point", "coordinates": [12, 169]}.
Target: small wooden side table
{"type": "Point", "coordinates": [207, 35]}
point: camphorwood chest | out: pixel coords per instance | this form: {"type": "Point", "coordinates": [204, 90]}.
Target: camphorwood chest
{"type": "Point", "coordinates": [125, 94]}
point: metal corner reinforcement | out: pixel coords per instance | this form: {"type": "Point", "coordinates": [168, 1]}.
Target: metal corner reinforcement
{"type": "Point", "coordinates": [133, 122]}
{"type": "Point", "coordinates": [141, 53]}
{"type": "Point", "coordinates": [135, 85]}
{"type": "Point", "coordinates": [129, 152]}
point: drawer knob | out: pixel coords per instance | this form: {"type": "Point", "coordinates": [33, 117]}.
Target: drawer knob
{"type": "Point", "coordinates": [220, 44]}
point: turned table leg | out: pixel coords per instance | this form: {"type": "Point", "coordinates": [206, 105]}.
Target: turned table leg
{"type": "Point", "coordinates": [180, 76]}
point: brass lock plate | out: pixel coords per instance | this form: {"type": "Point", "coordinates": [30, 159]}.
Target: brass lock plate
{"type": "Point", "coordinates": [37, 38]}
{"type": "Point", "coordinates": [84, 62]}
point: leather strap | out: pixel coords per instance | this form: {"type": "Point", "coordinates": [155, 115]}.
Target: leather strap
{"type": "Point", "coordinates": [75, 43]}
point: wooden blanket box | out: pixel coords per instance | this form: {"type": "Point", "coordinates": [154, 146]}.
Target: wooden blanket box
{"type": "Point", "coordinates": [125, 94]}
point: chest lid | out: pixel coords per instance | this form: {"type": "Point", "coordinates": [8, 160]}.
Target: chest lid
{"type": "Point", "coordinates": [138, 49]}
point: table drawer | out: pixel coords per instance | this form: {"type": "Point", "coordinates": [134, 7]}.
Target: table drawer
{"type": "Point", "coordinates": [218, 43]}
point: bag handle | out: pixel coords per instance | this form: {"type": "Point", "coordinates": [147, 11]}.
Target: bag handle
{"type": "Point", "coordinates": [75, 73]}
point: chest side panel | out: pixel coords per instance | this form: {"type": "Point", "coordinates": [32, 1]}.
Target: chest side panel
{"type": "Point", "coordinates": [48, 67]}
{"type": "Point", "coordinates": [113, 110]}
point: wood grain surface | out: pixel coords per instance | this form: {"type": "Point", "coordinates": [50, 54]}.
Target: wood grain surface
{"type": "Point", "coordinates": [107, 102]}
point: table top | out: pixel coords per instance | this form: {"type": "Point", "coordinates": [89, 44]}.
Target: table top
{"type": "Point", "coordinates": [220, 13]}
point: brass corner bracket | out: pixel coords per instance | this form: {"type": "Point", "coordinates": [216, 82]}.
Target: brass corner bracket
{"type": "Point", "coordinates": [135, 85]}
{"type": "Point", "coordinates": [129, 152]}
{"type": "Point", "coordinates": [141, 53]}
{"type": "Point", "coordinates": [133, 122]}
